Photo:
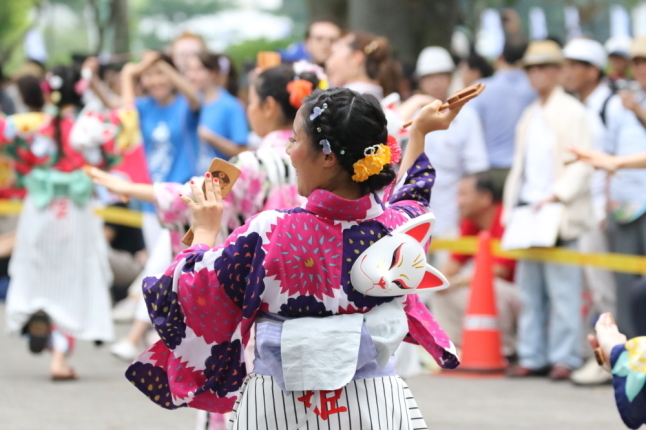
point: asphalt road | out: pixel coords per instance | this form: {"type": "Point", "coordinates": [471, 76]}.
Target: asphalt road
{"type": "Point", "coordinates": [103, 400]}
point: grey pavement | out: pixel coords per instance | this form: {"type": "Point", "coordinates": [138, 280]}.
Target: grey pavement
{"type": "Point", "coordinates": [103, 400]}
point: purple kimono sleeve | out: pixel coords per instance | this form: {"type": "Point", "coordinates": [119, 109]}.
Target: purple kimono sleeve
{"type": "Point", "coordinates": [203, 307]}
{"type": "Point", "coordinates": [412, 194]}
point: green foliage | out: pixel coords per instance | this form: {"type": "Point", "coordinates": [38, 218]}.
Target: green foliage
{"type": "Point", "coordinates": [245, 52]}
{"type": "Point", "coordinates": [14, 22]}
{"type": "Point", "coordinates": [178, 11]}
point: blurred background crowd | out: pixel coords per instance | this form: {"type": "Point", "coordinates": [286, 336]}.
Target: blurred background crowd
{"type": "Point", "coordinates": [559, 75]}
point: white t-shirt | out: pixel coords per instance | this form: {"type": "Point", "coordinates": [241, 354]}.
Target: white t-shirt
{"type": "Point", "coordinates": [366, 88]}
{"type": "Point", "coordinates": [539, 176]}
{"type": "Point", "coordinates": [454, 153]}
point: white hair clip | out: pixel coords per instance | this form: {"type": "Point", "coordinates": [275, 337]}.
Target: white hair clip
{"type": "Point", "coordinates": [327, 149]}
{"type": "Point", "coordinates": [225, 65]}
{"type": "Point", "coordinates": [317, 111]}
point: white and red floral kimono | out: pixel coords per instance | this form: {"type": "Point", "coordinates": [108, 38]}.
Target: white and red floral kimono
{"type": "Point", "coordinates": [281, 267]}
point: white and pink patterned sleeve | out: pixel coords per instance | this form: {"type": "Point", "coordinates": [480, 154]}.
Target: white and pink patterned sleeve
{"type": "Point", "coordinates": [170, 208]}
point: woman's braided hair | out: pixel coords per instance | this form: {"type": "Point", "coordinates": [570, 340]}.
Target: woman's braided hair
{"type": "Point", "coordinates": [351, 123]}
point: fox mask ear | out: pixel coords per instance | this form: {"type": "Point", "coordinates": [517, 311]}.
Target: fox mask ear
{"type": "Point", "coordinates": [433, 279]}
{"type": "Point", "coordinates": [419, 228]}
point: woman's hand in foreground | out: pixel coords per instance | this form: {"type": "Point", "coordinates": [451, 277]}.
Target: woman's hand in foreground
{"type": "Point", "coordinates": [608, 336]}
{"type": "Point", "coordinates": [206, 210]}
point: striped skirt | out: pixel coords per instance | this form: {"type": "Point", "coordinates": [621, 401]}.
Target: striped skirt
{"type": "Point", "coordinates": [365, 404]}
{"type": "Point", "coordinates": [60, 265]}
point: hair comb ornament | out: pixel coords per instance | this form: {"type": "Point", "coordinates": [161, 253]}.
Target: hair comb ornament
{"type": "Point", "coordinates": [396, 264]}
{"type": "Point", "coordinates": [317, 111]}
{"type": "Point", "coordinates": [371, 47]}
{"type": "Point", "coordinates": [327, 149]}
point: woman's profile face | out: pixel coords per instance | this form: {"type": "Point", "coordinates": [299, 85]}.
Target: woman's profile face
{"type": "Point", "coordinates": [256, 113]}
{"type": "Point", "coordinates": [339, 67]}
{"type": "Point", "coordinates": [307, 162]}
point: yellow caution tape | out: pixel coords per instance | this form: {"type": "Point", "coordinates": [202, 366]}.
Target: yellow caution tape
{"type": "Point", "coordinates": [614, 262]}
{"type": "Point", "coordinates": [114, 215]}
{"type": "Point", "coordinates": [465, 245]}
{"type": "Point", "coordinates": [121, 216]}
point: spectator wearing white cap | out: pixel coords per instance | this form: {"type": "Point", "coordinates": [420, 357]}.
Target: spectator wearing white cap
{"type": "Point", "coordinates": [585, 62]}
{"type": "Point", "coordinates": [455, 152]}
{"type": "Point", "coordinates": [499, 107]}
{"type": "Point", "coordinates": [618, 57]}
{"type": "Point", "coordinates": [545, 171]}
{"type": "Point", "coordinates": [627, 218]}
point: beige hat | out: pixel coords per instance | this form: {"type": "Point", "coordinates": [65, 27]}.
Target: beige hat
{"type": "Point", "coordinates": [638, 48]}
{"type": "Point", "coordinates": [542, 52]}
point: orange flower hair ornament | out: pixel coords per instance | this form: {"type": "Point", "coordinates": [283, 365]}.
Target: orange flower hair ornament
{"type": "Point", "coordinates": [376, 157]}
{"type": "Point", "coordinates": [298, 90]}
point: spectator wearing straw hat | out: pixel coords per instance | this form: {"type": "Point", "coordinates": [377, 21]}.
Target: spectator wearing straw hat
{"type": "Point", "coordinates": [585, 62]}
{"type": "Point", "coordinates": [627, 218]}
{"type": "Point", "coordinates": [549, 332]}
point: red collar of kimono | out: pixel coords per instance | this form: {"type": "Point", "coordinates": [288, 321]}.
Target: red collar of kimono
{"type": "Point", "coordinates": [329, 205]}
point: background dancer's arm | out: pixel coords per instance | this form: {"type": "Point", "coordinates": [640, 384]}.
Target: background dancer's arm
{"type": "Point", "coordinates": [117, 185]}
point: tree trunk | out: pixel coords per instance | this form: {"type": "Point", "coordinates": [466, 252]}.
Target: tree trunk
{"type": "Point", "coordinates": [100, 27]}
{"type": "Point", "coordinates": [120, 26]}
{"type": "Point", "coordinates": [337, 9]}
{"type": "Point", "coordinates": [409, 25]}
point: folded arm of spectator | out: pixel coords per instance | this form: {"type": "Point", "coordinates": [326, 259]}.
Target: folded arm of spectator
{"type": "Point", "coordinates": [630, 103]}
{"type": "Point", "coordinates": [221, 143]}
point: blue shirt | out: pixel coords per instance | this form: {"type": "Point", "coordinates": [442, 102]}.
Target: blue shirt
{"type": "Point", "coordinates": [170, 139]}
{"type": "Point", "coordinates": [626, 136]}
{"type": "Point", "coordinates": [500, 107]}
{"type": "Point", "coordinates": [226, 117]}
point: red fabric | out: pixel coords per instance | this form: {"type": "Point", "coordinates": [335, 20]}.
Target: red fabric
{"type": "Point", "coordinates": [469, 228]}
{"type": "Point", "coordinates": [133, 165]}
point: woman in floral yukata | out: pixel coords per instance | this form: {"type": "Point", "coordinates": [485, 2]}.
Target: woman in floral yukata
{"type": "Point", "coordinates": [283, 266]}
{"type": "Point", "coordinates": [60, 276]}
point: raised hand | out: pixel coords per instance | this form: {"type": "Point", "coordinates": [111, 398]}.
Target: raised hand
{"type": "Point", "coordinates": [431, 119]}
{"type": "Point", "coordinates": [206, 210]}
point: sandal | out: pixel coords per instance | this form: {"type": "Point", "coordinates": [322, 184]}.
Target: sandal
{"type": "Point", "coordinates": [71, 376]}
{"type": "Point", "coordinates": [39, 330]}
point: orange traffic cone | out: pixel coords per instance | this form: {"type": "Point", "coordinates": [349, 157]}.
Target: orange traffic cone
{"type": "Point", "coordinates": [481, 343]}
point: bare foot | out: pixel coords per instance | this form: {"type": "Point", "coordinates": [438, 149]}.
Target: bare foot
{"type": "Point", "coordinates": [59, 369]}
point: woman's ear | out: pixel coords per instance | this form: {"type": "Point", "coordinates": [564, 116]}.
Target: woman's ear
{"type": "Point", "coordinates": [269, 107]}
{"type": "Point", "coordinates": [330, 160]}
{"type": "Point", "coordinates": [357, 58]}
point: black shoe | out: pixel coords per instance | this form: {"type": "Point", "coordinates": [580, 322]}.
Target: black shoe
{"type": "Point", "coordinates": [39, 330]}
